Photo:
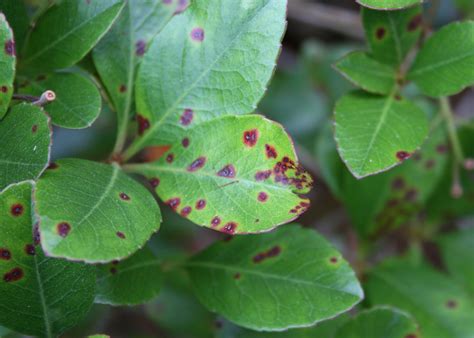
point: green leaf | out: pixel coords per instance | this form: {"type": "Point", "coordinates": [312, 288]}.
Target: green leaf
{"type": "Point", "coordinates": [214, 59]}
{"type": "Point", "coordinates": [25, 140]}
{"type": "Point", "coordinates": [67, 32]}
{"type": "Point", "coordinates": [445, 64]}
{"type": "Point", "coordinates": [288, 278]}
{"type": "Point", "coordinates": [236, 174]}
{"type": "Point", "coordinates": [375, 133]}
{"type": "Point", "coordinates": [391, 34]}
{"type": "Point", "coordinates": [133, 281]}
{"type": "Point", "coordinates": [93, 212]}
{"type": "Point", "coordinates": [77, 104]}
{"type": "Point", "coordinates": [367, 73]}
{"type": "Point", "coordinates": [17, 16]}
{"type": "Point", "coordinates": [118, 53]}
{"type": "Point", "coordinates": [7, 65]}
{"type": "Point", "coordinates": [439, 305]}
{"type": "Point", "coordinates": [388, 4]}
{"type": "Point", "coordinates": [38, 295]}
{"type": "Point", "coordinates": [456, 249]}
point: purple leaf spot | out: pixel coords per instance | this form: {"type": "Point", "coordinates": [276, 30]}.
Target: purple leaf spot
{"type": "Point", "coordinates": [5, 254]}
{"type": "Point", "coordinates": [170, 158]}
{"type": "Point", "coordinates": [197, 34]}
{"type": "Point", "coordinates": [13, 275]}
{"type": "Point", "coordinates": [120, 235]}
{"type": "Point", "coordinates": [30, 249]}
{"type": "Point", "coordinates": [154, 182]}
{"type": "Point", "coordinates": [197, 164]}
{"type": "Point", "coordinates": [173, 203]}
{"type": "Point", "coordinates": [124, 196]}
{"type": "Point", "coordinates": [414, 23]}
{"type": "Point", "coordinates": [10, 47]}
{"type": "Point", "coordinates": [201, 204]}
{"type": "Point", "coordinates": [263, 175]}
{"type": "Point", "coordinates": [17, 210]}
{"type": "Point", "coordinates": [262, 196]}
{"type": "Point", "coordinates": [228, 171]}
{"type": "Point", "coordinates": [402, 155]}
{"type": "Point", "coordinates": [140, 47]}
{"type": "Point", "coordinates": [185, 142]}
{"type": "Point", "coordinates": [143, 124]}
{"type": "Point", "coordinates": [229, 228]}
{"type": "Point", "coordinates": [215, 221]}
{"type": "Point", "coordinates": [187, 117]}
{"type": "Point", "coordinates": [186, 211]}
{"type": "Point", "coordinates": [250, 137]}
{"type": "Point", "coordinates": [270, 151]}
{"type": "Point", "coordinates": [63, 229]}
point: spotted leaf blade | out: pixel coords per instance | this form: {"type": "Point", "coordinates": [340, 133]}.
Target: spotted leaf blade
{"type": "Point", "coordinates": [7, 64]}
{"type": "Point", "coordinates": [77, 104]}
{"type": "Point", "coordinates": [122, 48]}
{"type": "Point", "coordinates": [391, 34]}
{"type": "Point", "coordinates": [380, 321]}
{"type": "Point", "coordinates": [236, 174]}
{"type": "Point", "coordinates": [117, 281]}
{"type": "Point", "coordinates": [93, 212]}
{"type": "Point", "coordinates": [439, 305]}
{"type": "Point", "coordinates": [445, 64]}
{"type": "Point", "coordinates": [258, 281]}
{"type": "Point", "coordinates": [375, 133]}
{"type": "Point", "coordinates": [39, 296]}
{"type": "Point", "coordinates": [67, 32]}
{"type": "Point", "coordinates": [367, 73]}
{"type": "Point", "coordinates": [214, 59]}
{"type": "Point", "coordinates": [25, 141]}
{"type": "Point", "coordinates": [388, 4]}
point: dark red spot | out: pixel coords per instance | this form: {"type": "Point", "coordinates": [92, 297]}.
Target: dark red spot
{"type": "Point", "coordinates": [197, 34]}
{"type": "Point", "coordinates": [411, 195]}
{"type": "Point", "coordinates": [258, 257]}
{"type": "Point", "coordinates": [173, 203]}
{"type": "Point", "coordinates": [228, 171]}
{"type": "Point", "coordinates": [262, 196]}
{"type": "Point", "coordinates": [237, 276]}
{"type": "Point", "coordinates": [41, 77]}
{"type": "Point", "coordinates": [185, 142]}
{"type": "Point", "coordinates": [122, 88]}
{"type": "Point", "coordinates": [140, 47]}
{"type": "Point", "coordinates": [170, 158]}
{"type": "Point", "coordinates": [30, 249]}
{"type": "Point", "coordinates": [250, 137]}
{"type": "Point", "coordinates": [272, 252]}
{"type": "Point", "coordinates": [398, 183]}
{"type": "Point", "coordinates": [414, 23]}
{"type": "Point", "coordinates": [216, 221]}
{"type": "Point", "coordinates": [429, 164]}
{"type": "Point", "coordinates": [197, 164]}
{"type": "Point", "coordinates": [380, 33]}
{"type": "Point", "coordinates": [143, 124]}
{"type": "Point", "coordinates": [154, 182]}
{"type": "Point", "coordinates": [5, 254]}
{"type": "Point", "coordinates": [411, 335]}
{"type": "Point", "coordinates": [63, 229]}
{"type": "Point", "coordinates": [120, 234]}
{"type": "Point", "coordinates": [293, 211]}
{"type": "Point", "coordinates": [186, 211]}
{"type": "Point", "coordinates": [270, 151]}
{"type": "Point", "coordinates": [201, 204]}
{"type": "Point", "coordinates": [262, 175]}
{"type": "Point", "coordinates": [124, 196]}
{"type": "Point", "coordinates": [4, 89]}
{"type": "Point", "coordinates": [451, 304]}
{"type": "Point", "coordinates": [333, 260]}
{"type": "Point", "coordinates": [14, 275]}
{"type": "Point", "coordinates": [113, 270]}
{"type": "Point", "coordinates": [441, 148]}
{"type": "Point", "coordinates": [17, 210]}
{"type": "Point", "coordinates": [36, 234]}
{"type": "Point", "coordinates": [230, 228]}
{"type": "Point", "coordinates": [52, 166]}
{"type": "Point", "coordinates": [187, 117]}
{"type": "Point", "coordinates": [402, 155]}
{"type": "Point", "coordinates": [34, 128]}
{"type": "Point", "coordinates": [398, 97]}
{"type": "Point", "coordinates": [10, 47]}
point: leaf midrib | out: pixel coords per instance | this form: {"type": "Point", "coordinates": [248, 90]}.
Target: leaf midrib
{"type": "Point", "coordinates": [44, 306]}
{"type": "Point", "coordinates": [442, 63]}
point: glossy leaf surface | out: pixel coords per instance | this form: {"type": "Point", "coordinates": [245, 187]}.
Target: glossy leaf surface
{"type": "Point", "coordinates": [388, 4]}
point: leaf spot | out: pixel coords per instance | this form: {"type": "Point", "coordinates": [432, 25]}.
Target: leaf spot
{"type": "Point", "coordinates": [53, 166]}
{"type": "Point", "coordinates": [414, 23]}
{"type": "Point", "coordinates": [154, 182]}
{"type": "Point", "coordinates": [173, 203]}
{"type": "Point", "coordinates": [398, 183]}
{"type": "Point", "coordinates": [17, 210]}
{"type": "Point", "coordinates": [451, 304]}
{"type": "Point", "coordinates": [5, 254]}
{"type": "Point", "coordinates": [197, 34]}
{"type": "Point", "coordinates": [215, 221]}
{"type": "Point", "coordinates": [10, 47]}
{"type": "Point", "coordinates": [34, 128]}
{"type": "Point", "coordinates": [270, 151]}
{"type": "Point", "coordinates": [187, 117]}
{"type": "Point", "coordinates": [429, 164]}
{"type": "Point", "coordinates": [263, 175]}
{"type": "Point", "coordinates": [402, 155]}
{"type": "Point", "coordinates": [140, 47]}
{"type": "Point", "coordinates": [170, 158]}
{"type": "Point", "coordinates": [185, 142]}
{"type": "Point", "coordinates": [380, 33]}
{"type": "Point", "coordinates": [228, 171]}
{"type": "Point", "coordinates": [14, 275]}
{"type": "Point", "coordinates": [143, 124]}
{"type": "Point", "coordinates": [250, 137]}
{"type": "Point", "coordinates": [273, 252]}
{"type": "Point", "coordinates": [411, 195]}
{"type": "Point", "coordinates": [124, 196]}
{"type": "Point", "coordinates": [197, 164]}
{"type": "Point", "coordinates": [120, 235]}
{"type": "Point", "coordinates": [4, 89]}
{"type": "Point", "coordinates": [237, 276]}
{"type": "Point", "coordinates": [63, 229]}
{"type": "Point", "coordinates": [201, 204]}
{"type": "Point", "coordinates": [441, 149]}
{"type": "Point", "coordinates": [186, 211]}
{"type": "Point", "coordinates": [229, 228]}
{"type": "Point", "coordinates": [122, 88]}
{"type": "Point", "coordinates": [30, 249]}
{"type": "Point", "coordinates": [262, 196]}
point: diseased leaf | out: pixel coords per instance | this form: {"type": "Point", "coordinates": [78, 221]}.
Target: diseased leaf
{"type": "Point", "coordinates": [375, 133]}
{"type": "Point", "coordinates": [445, 64]}
{"type": "Point", "coordinates": [439, 305]}
{"type": "Point", "coordinates": [25, 140]}
{"type": "Point", "coordinates": [391, 34]}
{"type": "Point", "coordinates": [291, 277]}
{"type": "Point", "coordinates": [133, 281]}
{"type": "Point", "coordinates": [67, 32]}
{"type": "Point", "coordinates": [214, 59]}
{"type": "Point", "coordinates": [7, 64]}
{"type": "Point", "coordinates": [77, 104]}
{"type": "Point", "coordinates": [367, 73]}
{"type": "Point", "coordinates": [38, 295]}
{"type": "Point", "coordinates": [388, 4]}
{"type": "Point", "coordinates": [118, 53]}
{"type": "Point", "coordinates": [383, 322]}
{"type": "Point", "coordinates": [93, 212]}
{"type": "Point", "coordinates": [236, 174]}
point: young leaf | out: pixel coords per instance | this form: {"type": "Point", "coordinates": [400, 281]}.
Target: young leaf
{"type": "Point", "coordinates": [439, 305]}
{"type": "Point", "coordinates": [444, 66]}
{"type": "Point", "coordinates": [288, 278]}
{"type": "Point", "coordinates": [367, 73]}
{"type": "Point", "coordinates": [388, 4]}
{"type": "Point", "coordinates": [383, 322]}
{"type": "Point", "coordinates": [236, 174]}
{"type": "Point", "coordinates": [67, 32]}
{"type": "Point", "coordinates": [77, 104]}
{"type": "Point", "coordinates": [117, 281]}
{"type": "Point", "coordinates": [7, 64]}
{"type": "Point", "coordinates": [375, 133]}
{"type": "Point", "coordinates": [93, 212]}
{"type": "Point", "coordinates": [118, 53]}
{"type": "Point", "coordinates": [391, 34]}
{"type": "Point", "coordinates": [38, 295]}
{"type": "Point", "coordinates": [25, 140]}
{"type": "Point", "coordinates": [214, 59]}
